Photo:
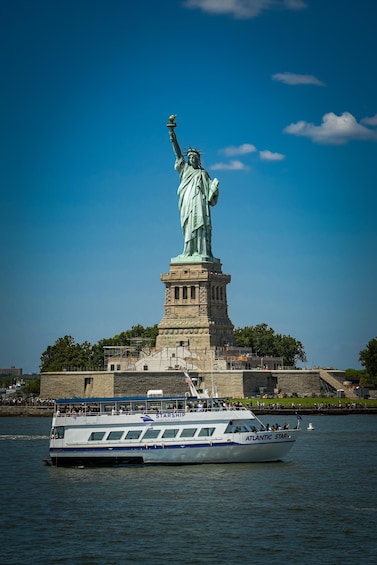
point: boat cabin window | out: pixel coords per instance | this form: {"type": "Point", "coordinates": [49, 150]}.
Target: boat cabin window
{"type": "Point", "coordinates": [244, 428]}
{"type": "Point", "coordinates": [206, 432]}
{"type": "Point", "coordinates": [188, 432]}
{"type": "Point", "coordinates": [217, 405]}
{"type": "Point", "coordinates": [171, 406]}
{"type": "Point", "coordinates": [58, 432]}
{"type": "Point", "coordinates": [151, 433]}
{"type": "Point", "coordinates": [115, 435]}
{"type": "Point", "coordinates": [133, 434]}
{"type": "Point", "coordinates": [96, 436]}
{"type": "Point", "coordinates": [234, 427]}
{"type": "Point", "coordinates": [154, 406]}
{"type": "Point", "coordinates": [170, 433]}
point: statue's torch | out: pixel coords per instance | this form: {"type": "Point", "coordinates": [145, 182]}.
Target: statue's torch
{"type": "Point", "coordinates": [171, 123]}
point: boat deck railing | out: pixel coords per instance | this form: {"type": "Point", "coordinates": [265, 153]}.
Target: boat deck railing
{"type": "Point", "coordinates": [117, 409]}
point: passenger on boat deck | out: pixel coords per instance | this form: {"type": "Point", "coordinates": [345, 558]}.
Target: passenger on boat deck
{"type": "Point", "coordinates": [113, 412]}
{"type": "Point", "coordinates": [200, 406]}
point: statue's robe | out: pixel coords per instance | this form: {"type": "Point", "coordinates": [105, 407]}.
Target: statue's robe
{"type": "Point", "coordinates": [196, 193]}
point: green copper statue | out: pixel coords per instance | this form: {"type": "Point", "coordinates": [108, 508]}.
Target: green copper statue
{"type": "Point", "coordinates": [196, 193]}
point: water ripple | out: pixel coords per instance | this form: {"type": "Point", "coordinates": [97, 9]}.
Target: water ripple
{"type": "Point", "coordinates": [316, 507]}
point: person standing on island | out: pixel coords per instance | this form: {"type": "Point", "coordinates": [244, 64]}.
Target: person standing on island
{"type": "Point", "coordinates": [196, 193]}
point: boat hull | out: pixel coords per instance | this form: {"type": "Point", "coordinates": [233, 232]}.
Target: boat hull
{"type": "Point", "coordinates": [172, 455]}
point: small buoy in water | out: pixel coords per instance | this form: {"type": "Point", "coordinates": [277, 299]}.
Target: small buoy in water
{"type": "Point", "coordinates": [310, 427]}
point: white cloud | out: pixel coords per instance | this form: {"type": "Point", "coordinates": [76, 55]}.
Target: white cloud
{"type": "Point", "coordinates": [240, 150]}
{"type": "Point", "coordinates": [267, 155]}
{"type": "Point", "coordinates": [243, 9]}
{"type": "Point", "coordinates": [292, 78]}
{"type": "Point", "coordinates": [372, 121]}
{"type": "Point", "coordinates": [334, 130]}
{"type": "Point", "coordinates": [232, 166]}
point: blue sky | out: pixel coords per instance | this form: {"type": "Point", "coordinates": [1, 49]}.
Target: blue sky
{"type": "Point", "coordinates": [281, 97]}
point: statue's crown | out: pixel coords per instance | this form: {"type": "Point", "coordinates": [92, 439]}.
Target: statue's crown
{"type": "Point", "coordinates": [193, 150]}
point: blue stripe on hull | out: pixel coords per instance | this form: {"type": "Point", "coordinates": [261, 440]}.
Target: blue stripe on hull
{"type": "Point", "coordinates": [142, 448]}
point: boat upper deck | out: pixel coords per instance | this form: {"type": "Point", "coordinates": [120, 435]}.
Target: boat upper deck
{"type": "Point", "coordinates": [141, 404]}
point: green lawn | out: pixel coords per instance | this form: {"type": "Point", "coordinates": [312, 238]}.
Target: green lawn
{"type": "Point", "coordinates": [309, 402]}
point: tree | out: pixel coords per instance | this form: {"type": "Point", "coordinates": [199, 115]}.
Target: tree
{"type": "Point", "coordinates": [368, 359]}
{"type": "Point", "coordinates": [66, 354]}
{"type": "Point", "coordinates": [32, 387]}
{"type": "Point", "coordinates": [260, 338]}
{"type": "Point", "coordinates": [290, 349]}
{"type": "Point", "coordinates": [265, 343]}
{"type": "Point", "coordinates": [355, 374]}
{"type": "Point", "coordinates": [150, 332]}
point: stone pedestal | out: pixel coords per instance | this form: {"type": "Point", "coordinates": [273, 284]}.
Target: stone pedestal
{"type": "Point", "coordinates": [196, 308]}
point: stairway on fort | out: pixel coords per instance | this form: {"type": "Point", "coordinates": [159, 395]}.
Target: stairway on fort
{"type": "Point", "coordinates": [335, 384]}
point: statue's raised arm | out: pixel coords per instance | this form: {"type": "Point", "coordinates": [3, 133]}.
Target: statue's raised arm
{"type": "Point", "coordinates": [196, 193]}
{"type": "Point", "coordinates": [173, 138]}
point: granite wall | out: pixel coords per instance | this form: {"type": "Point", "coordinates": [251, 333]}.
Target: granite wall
{"type": "Point", "coordinates": [235, 384]}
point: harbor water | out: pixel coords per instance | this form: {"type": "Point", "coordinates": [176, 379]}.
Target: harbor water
{"type": "Point", "coordinates": [317, 506]}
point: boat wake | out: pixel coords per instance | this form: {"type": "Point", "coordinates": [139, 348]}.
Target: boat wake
{"type": "Point", "coordinates": [22, 437]}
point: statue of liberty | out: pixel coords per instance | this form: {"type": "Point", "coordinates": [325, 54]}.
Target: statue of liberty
{"type": "Point", "coordinates": [196, 193]}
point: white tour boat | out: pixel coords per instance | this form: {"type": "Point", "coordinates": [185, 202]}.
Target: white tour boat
{"type": "Point", "coordinates": [161, 430]}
